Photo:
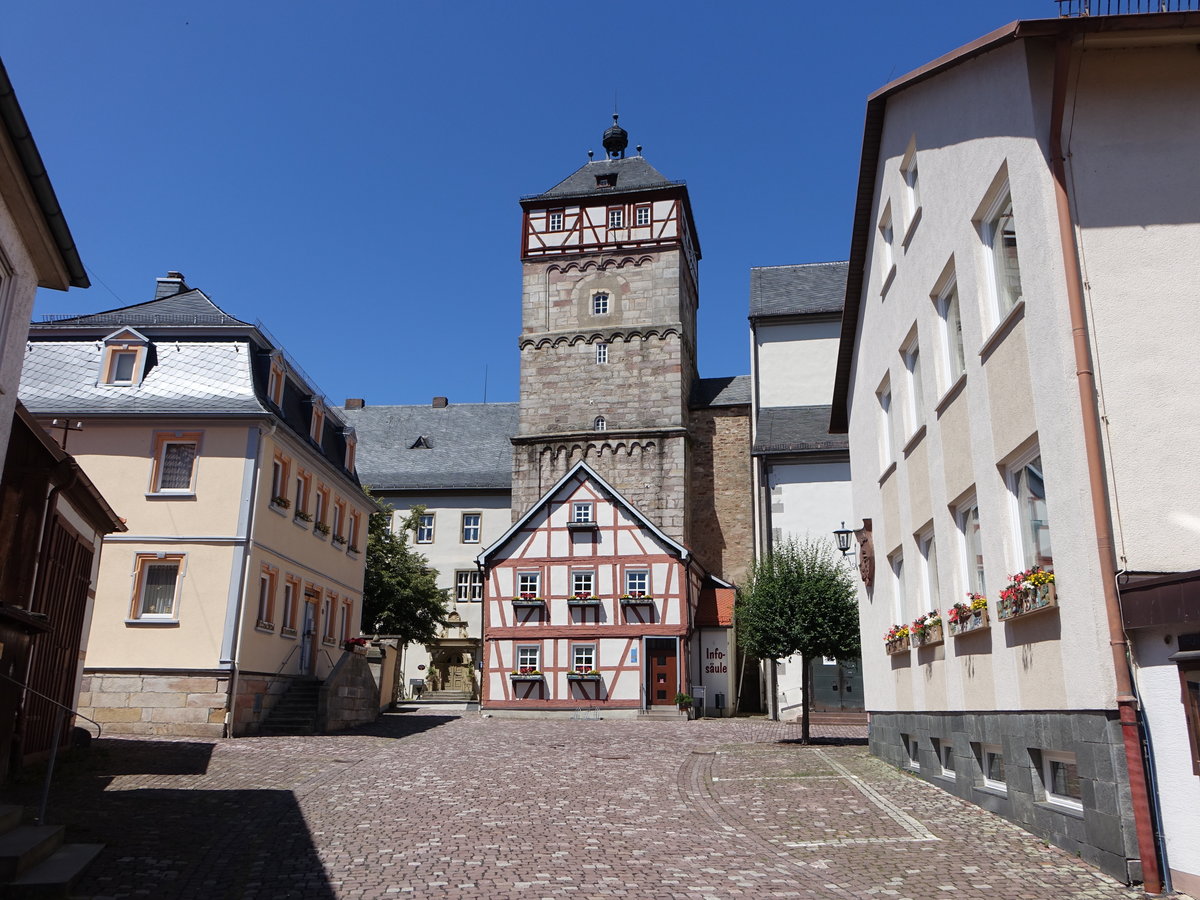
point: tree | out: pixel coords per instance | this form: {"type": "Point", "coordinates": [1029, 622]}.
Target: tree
{"type": "Point", "coordinates": [400, 592]}
{"type": "Point", "coordinates": [799, 599]}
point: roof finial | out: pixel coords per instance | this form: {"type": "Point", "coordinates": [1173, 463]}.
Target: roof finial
{"type": "Point", "coordinates": [615, 140]}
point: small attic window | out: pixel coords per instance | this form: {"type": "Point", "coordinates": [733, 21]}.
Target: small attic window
{"type": "Point", "coordinates": [421, 443]}
{"type": "Point", "coordinates": [123, 362]}
{"type": "Point", "coordinates": [606, 181]}
{"type": "Point", "coordinates": [317, 424]}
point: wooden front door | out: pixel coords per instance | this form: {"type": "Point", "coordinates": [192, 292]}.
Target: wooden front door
{"type": "Point", "coordinates": [662, 672]}
{"type": "Point", "coordinates": [456, 674]}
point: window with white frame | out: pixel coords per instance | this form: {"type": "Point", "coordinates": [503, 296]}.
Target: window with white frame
{"type": "Point", "coordinates": [600, 304]}
{"type": "Point", "coordinates": [899, 600]}
{"type": "Point", "coordinates": [339, 519]}
{"type": "Point", "coordinates": [123, 361]}
{"type": "Point", "coordinates": [601, 353]}
{"type": "Point", "coordinates": [600, 424]}
{"type": "Point", "coordinates": [1028, 486]}
{"type": "Point", "coordinates": [288, 615]}
{"type": "Point", "coordinates": [911, 354]}
{"type": "Point", "coordinates": [583, 584]}
{"type": "Point", "coordinates": [583, 658]}
{"type": "Point", "coordinates": [556, 220]}
{"type": "Point", "coordinates": [425, 528]}
{"type": "Point", "coordinates": [912, 187]}
{"type": "Point", "coordinates": [468, 586]}
{"type": "Point", "coordinates": [582, 511]}
{"type": "Point", "coordinates": [529, 585]}
{"type": "Point", "coordinates": [266, 598]}
{"type": "Point", "coordinates": [470, 527]}
{"type": "Point", "coordinates": [951, 334]}
{"type": "Point", "coordinates": [616, 218]}
{"type": "Point", "coordinates": [529, 659]}
{"type": "Point", "coordinates": [991, 764]}
{"type": "Point", "coordinates": [1060, 779]}
{"type": "Point", "coordinates": [944, 749]}
{"type": "Point", "coordinates": [279, 479]}
{"type": "Point", "coordinates": [157, 586]}
{"type": "Point", "coordinates": [967, 517]}
{"type": "Point", "coordinates": [642, 214]}
{"type": "Point", "coordinates": [175, 465]}
{"type": "Point", "coordinates": [637, 583]}
{"type": "Point", "coordinates": [887, 256]}
{"type": "Point", "coordinates": [928, 549]}
{"type": "Point", "coordinates": [303, 481]}
{"type": "Point", "coordinates": [352, 528]}
{"type": "Point", "coordinates": [886, 448]}
{"type": "Point", "coordinates": [999, 232]}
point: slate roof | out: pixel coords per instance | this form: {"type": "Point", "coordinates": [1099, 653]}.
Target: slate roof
{"type": "Point", "coordinates": [190, 307]}
{"type": "Point", "coordinates": [798, 290]}
{"type": "Point", "coordinates": [633, 173]}
{"type": "Point", "coordinates": [732, 390]}
{"type": "Point", "coordinates": [796, 429]}
{"type": "Point", "coordinates": [469, 446]}
{"type": "Point", "coordinates": [205, 377]}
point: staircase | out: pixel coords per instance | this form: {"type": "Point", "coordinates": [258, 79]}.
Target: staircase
{"type": "Point", "coordinates": [296, 712]}
{"type": "Point", "coordinates": [34, 861]}
{"type": "Point", "coordinates": [663, 712]}
{"type": "Point", "coordinates": [844, 717]}
{"type": "Point", "coordinates": [446, 696]}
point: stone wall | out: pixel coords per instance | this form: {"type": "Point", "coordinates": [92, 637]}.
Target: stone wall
{"type": "Point", "coordinates": [1102, 834]}
{"type": "Point", "coordinates": [257, 694]}
{"type": "Point", "coordinates": [349, 695]}
{"type": "Point", "coordinates": [178, 703]}
{"type": "Point", "coordinates": [721, 512]}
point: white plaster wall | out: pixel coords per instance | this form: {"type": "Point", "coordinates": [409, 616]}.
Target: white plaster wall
{"type": "Point", "coordinates": [968, 124]}
{"type": "Point", "coordinates": [796, 362]}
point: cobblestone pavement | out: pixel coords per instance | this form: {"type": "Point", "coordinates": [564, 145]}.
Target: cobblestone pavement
{"type": "Point", "coordinates": [452, 805]}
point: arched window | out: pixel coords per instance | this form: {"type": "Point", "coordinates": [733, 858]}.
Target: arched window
{"type": "Point", "coordinates": [600, 424]}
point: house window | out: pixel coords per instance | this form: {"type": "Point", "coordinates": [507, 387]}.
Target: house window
{"type": "Point", "coordinates": [602, 353]}
{"type": "Point", "coordinates": [887, 257]}
{"type": "Point", "coordinates": [999, 232]}
{"type": "Point", "coordinates": [347, 617]}
{"type": "Point", "coordinates": [581, 511]}
{"type": "Point", "coordinates": [317, 424]}
{"type": "Point", "coordinates": [529, 585]}
{"type": "Point", "coordinates": [320, 504]}
{"type": "Point", "coordinates": [124, 359]}
{"type": "Point", "coordinates": [425, 528]}
{"type": "Point", "coordinates": [643, 216]}
{"type": "Point", "coordinates": [327, 617]}
{"type": "Point", "coordinates": [886, 450]}
{"type": "Point", "coordinates": [303, 482]}
{"type": "Point", "coordinates": [967, 517]}
{"type": "Point", "coordinates": [175, 463]}
{"type": "Point", "coordinates": [529, 659]}
{"type": "Point", "coordinates": [899, 600]}
{"type": "Point", "coordinates": [1029, 490]}
{"type": "Point", "coordinates": [352, 525]}
{"type": "Point", "coordinates": [637, 583]}
{"type": "Point", "coordinates": [1060, 779]}
{"type": "Point", "coordinates": [600, 424]}
{"type": "Point", "coordinates": [470, 527]}
{"type": "Point", "coordinates": [339, 519]}
{"type": "Point", "coordinates": [583, 658]}
{"type": "Point", "coordinates": [912, 187]}
{"type": "Point", "coordinates": [556, 220]}
{"type": "Point", "coordinates": [928, 550]}
{"type": "Point", "coordinates": [600, 304]}
{"type": "Point", "coordinates": [157, 586]}
{"type": "Point", "coordinates": [266, 598]}
{"type": "Point", "coordinates": [950, 328]}
{"type": "Point", "coordinates": [279, 480]}
{"type": "Point", "coordinates": [468, 586]}
{"type": "Point", "coordinates": [916, 392]}
{"type": "Point", "coordinates": [583, 584]}
{"type": "Point", "coordinates": [616, 218]}
{"type": "Point", "coordinates": [291, 590]}
{"type": "Point", "coordinates": [991, 764]}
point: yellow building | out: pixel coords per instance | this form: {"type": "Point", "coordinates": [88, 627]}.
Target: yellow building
{"type": "Point", "coordinates": [240, 576]}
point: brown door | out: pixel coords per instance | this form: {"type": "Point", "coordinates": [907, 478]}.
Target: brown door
{"type": "Point", "coordinates": [661, 672]}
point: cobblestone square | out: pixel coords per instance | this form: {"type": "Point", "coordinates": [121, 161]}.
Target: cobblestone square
{"type": "Point", "coordinates": [436, 803]}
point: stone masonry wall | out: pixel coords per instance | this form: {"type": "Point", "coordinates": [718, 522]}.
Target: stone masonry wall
{"type": "Point", "coordinates": [178, 704]}
{"type": "Point", "coordinates": [349, 695]}
{"type": "Point", "coordinates": [721, 510]}
{"type": "Point", "coordinates": [257, 694]}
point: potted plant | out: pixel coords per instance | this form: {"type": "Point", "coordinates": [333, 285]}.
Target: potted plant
{"type": "Point", "coordinates": [527, 598]}
{"type": "Point", "coordinates": [339, 539]}
{"type": "Point", "coordinates": [302, 516]}
{"type": "Point", "coordinates": [684, 701]}
{"type": "Point", "coordinates": [356, 645]}
{"type": "Point", "coordinates": [281, 502]}
{"type": "Point", "coordinates": [896, 640]}
{"type": "Point", "coordinates": [322, 529]}
{"type": "Point", "coordinates": [926, 629]}
{"type": "Point", "coordinates": [1027, 592]}
{"type": "Point", "coordinates": [970, 616]}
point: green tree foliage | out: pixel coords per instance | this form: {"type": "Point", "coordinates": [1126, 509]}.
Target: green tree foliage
{"type": "Point", "coordinates": [400, 592]}
{"type": "Point", "coordinates": [799, 599]}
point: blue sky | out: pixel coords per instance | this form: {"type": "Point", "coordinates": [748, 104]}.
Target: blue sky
{"type": "Point", "coordinates": [349, 173]}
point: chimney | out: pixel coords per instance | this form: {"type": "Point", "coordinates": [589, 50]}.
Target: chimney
{"type": "Point", "coordinates": [440, 402]}
{"type": "Point", "coordinates": [169, 286]}
{"type": "Point", "coordinates": [355, 403]}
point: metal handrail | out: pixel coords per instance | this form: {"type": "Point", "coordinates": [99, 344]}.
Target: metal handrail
{"type": "Point", "coordinates": [283, 664]}
{"type": "Point", "coordinates": [99, 727]}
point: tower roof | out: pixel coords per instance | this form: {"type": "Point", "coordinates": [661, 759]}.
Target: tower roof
{"type": "Point", "coordinates": [630, 174]}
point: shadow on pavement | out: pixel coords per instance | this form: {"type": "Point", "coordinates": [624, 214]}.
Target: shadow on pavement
{"type": "Point", "coordinates": [396, 725]}
{"type": "Point", "coordinates": [826, 742]}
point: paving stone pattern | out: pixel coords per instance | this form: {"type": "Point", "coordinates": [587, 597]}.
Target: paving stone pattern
{"type": "Point", "coordinates": [429, 803]}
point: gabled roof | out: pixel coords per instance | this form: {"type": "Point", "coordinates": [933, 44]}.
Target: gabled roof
{"type": "Point", "coordinates": [469, 446]}
{"type": "Point", "coordinates": [806, 289]}
{"type": "Point", "coordinates": [633, 174]}
{"type": "Point", "coordinates": [795, 429]}
{"type": "Point", "coordinates": [606, 488]}
{"type": "Point", "coordinates": [731, 390]}
{"type": "Point", "coordinates": [190, 307]}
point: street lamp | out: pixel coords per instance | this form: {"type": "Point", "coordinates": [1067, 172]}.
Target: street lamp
{"type": "Point", "coordinates": [842, 536]}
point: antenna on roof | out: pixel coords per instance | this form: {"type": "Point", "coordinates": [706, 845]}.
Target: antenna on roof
{"type": "Point", "coordinates": [485, 382]}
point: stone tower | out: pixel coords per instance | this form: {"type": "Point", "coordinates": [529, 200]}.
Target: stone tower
{"type": "Point", "coordinates": [608, 334]}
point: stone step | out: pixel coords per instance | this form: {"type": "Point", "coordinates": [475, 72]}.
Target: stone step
{"type": "Point", "coordinates": [663, 712]}
{"type": "Point", "coordinates": [10, 817]}
{"type": "Point", "coordinates": [25, 846]}
{"type": "Point", "coordinates": [54, 876]}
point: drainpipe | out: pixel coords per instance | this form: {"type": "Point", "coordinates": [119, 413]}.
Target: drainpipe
{"type": "Point", "coordinates": [235, 664]}
{"type": "Point", "coordinates": [1097, 481]}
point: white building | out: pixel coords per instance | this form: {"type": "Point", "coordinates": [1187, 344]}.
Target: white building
{"type": "Point", "coordinates": [1016, 362]}
{"type": "Point", "coordinates": [801, 472]}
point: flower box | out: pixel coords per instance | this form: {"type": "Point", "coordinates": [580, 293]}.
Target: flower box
{"type": "Point", "coordinates": [583, 676]}
{"type": "Point", "coordinates": [303, 516]}
{"type": "Point", "coordinates": [929, 636]}
{"type": "Point", "coordinates": [281, 502]}
{"type": "Point", "coordinates": [977, 620]}
{"type": "Point", "coordinates": [518, 602]}
{"type": "Point", "coordinates": [897, 645]}
{"type": "Point", "coordinates": [630, 600]}
{"type": "Point", "coordinates": [583, 601]}
{"type": "Point", "coordinates": [526, 676]}
{"type": "Point", "coordinates": [1026, 601]}
{"type": "Point", "coordinates": [339, 539]}
{"type": "Point", "coordinates": [322, 529]}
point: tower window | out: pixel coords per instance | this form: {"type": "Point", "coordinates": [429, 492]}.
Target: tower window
{"type": "Point", "coordinates": [602, 353]}
{"type": "Point", "coordinates": [600, 424]}
{"type": "Point", "coordinates": [642, 216]}
{"type": "Point", "coordinates": [600, 305]}
{"type": "Point", "coordinates": [616, 218]}
{"type": "Point", "coordinates": [556, 220]}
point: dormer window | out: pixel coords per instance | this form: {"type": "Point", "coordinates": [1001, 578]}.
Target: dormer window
{"type": "Point", "coordinates": [277, 379]}
{"type": "Point", "coordinates": [317, 426]}
{"type": "Point", "coordinates": [606, 181]}
{"type": "Point", "coordinates": [351, 449]}
{"type": "Point", "coordinates": [123, 362]}
{"type": "Point", "coordinates": [421, 443]}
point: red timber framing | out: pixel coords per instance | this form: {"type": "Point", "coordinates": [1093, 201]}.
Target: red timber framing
{"type": "Point", "coordinates": [585, 227]}
{"type": "Point", "coordinates": [530, 650]}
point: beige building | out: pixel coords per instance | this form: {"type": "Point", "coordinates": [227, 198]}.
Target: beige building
{"type": "Point", "coordinates": [240, 575]}
{"type": "Point", "coordinates": [1015, 366]}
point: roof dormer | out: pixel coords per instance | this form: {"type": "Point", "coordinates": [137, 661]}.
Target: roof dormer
{"type": "Point", "coordinates": [123, 362]}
